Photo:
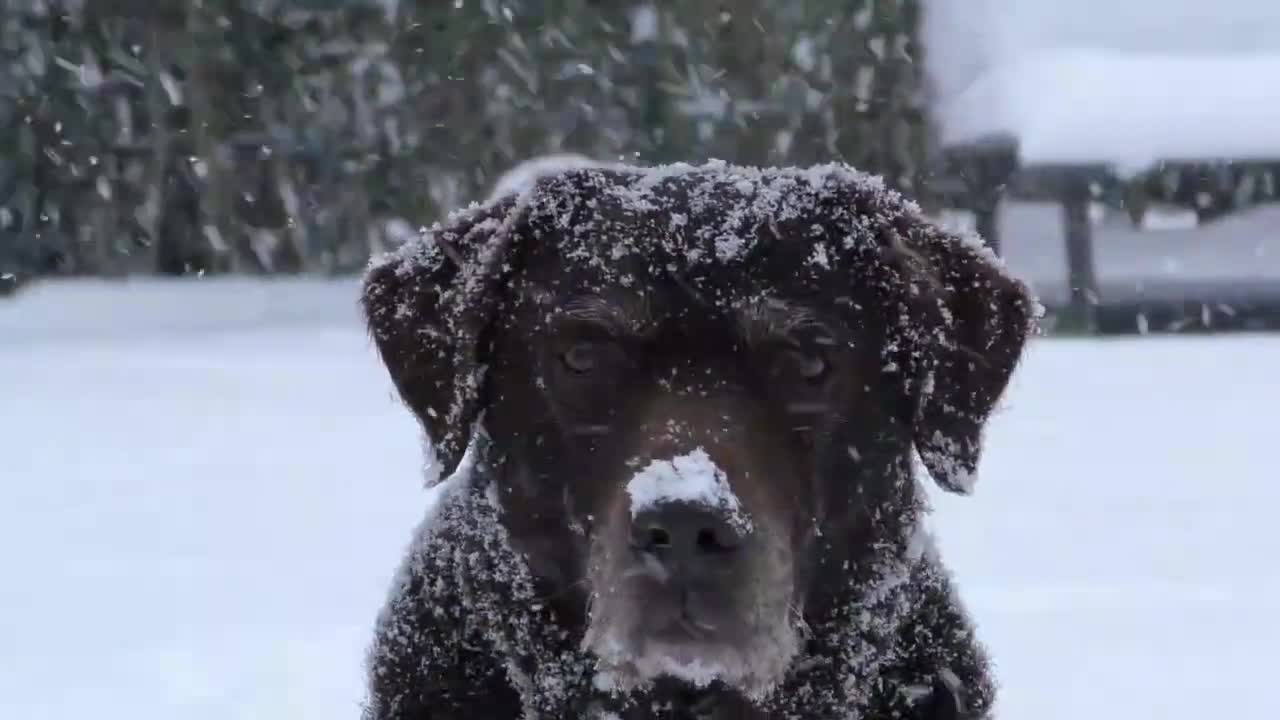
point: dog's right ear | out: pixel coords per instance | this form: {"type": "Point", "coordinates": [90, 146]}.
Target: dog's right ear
{"type": "Point", "coordinates": [986, 316]}
{"type": "Point", "coordinates": [428, 305]}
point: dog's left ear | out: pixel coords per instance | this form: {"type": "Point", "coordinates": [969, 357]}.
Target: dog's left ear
{"type": "Point", "coordinates": [429, 307]}
{"type": "Point", "coordinates": [983, 317]}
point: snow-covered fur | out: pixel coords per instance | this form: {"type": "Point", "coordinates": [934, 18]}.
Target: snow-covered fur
{"type": "Point", "coordinates": [466, 636]}
{"type": "Point", "coordinates": [525, 175]}
{"type": "Point", "coordinates": [473, 629]}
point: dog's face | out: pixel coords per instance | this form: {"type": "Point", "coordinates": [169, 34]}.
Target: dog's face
{"type": "Point", "coordinates": [679, 445]}
{"type": "Point", "coordinates": [695, 432]}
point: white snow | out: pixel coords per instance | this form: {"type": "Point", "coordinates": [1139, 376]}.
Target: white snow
{"type": "Point", "coordinates": [398, 231]}
{"type": "Point", "coordinates": [1126, 82]}
{"type": "Point", "coordinates": [207, 488]}
{"type": "Point", "coordinates": [525, 174]}
{"type": "Point", "coordinates": [693, 478]}
{"type": "Point", "coordinates": [196, 522]}
{"type": "Point", "coordinates": [961, 478]}
{"type": "Point", "coordinates": [644, 23]}
{"type": "Point", "coordinates": [1158, 218]}
{"type": "Point", "coordinates": [696, 671]}
{"type": "Point", "coordinates": [1130, 109]}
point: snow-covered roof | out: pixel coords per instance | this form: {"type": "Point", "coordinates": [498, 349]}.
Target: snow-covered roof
{"type": "Point", "coordinates": [1127, 82]}
{"type": "Point", "coordinates": [1129, 109]}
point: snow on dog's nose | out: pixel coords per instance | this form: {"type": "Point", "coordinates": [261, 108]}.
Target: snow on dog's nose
{"type": "Point", "coordinates": [686, 522]}
{"type": "Point", "coordinates": [693, 480]}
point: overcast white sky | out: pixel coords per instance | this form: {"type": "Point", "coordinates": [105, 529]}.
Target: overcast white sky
{"type": "Point", "coordinates": [1171, 25]}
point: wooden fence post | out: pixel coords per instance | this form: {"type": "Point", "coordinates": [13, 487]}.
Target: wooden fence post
{"type": "Point", "coordinates": [1082, 277]}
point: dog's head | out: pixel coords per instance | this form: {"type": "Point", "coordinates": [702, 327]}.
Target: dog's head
{"type": "Point", "coordinates": [700, 385]}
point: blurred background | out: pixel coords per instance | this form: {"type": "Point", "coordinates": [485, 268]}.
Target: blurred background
{"type": "Point", "coordinates": [1121, 155]}
{"type": "Point", "coordinates": [205, 479]}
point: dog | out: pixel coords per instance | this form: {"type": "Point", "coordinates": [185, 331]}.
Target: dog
{"type": "Point", "coordinates": [677, 411]}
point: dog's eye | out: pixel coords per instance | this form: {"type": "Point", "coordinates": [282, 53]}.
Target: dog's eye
{"type": "Point", "coordinates": [581, 358]}
{"type": "Point", "coordinates": [809, 365]}
{"type": "Point", "coordinates": [812, 366]}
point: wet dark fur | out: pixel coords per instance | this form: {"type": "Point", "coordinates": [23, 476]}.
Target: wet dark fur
{"type": "Point", "coordinates": [558, 482]}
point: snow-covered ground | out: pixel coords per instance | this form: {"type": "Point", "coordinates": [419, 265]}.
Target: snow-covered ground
{"type": "Point", "coordinates": [204, 491]}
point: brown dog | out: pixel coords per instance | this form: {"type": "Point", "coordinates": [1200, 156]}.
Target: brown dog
{"type": "Point", "coordinates": [684, 401]}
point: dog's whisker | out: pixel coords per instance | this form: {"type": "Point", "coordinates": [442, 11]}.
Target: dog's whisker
{"type": "Point", "coordinates": [649, 567]}
{"type": "Point", "coordinates": [694, 628]}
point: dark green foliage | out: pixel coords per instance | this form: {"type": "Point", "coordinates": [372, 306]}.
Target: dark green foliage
{"type": "Point", "coordinates": [265, 136]}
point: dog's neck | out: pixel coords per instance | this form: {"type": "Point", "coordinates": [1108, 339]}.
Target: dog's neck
{"type": "Point", "coordinates": [851, 665]}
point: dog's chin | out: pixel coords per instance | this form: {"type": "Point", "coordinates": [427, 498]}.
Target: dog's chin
{"type": "Point", "coordinates": [753, 665]}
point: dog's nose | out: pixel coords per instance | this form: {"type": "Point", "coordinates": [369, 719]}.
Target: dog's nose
{"type": "Point", "coordinates": [686, 535]}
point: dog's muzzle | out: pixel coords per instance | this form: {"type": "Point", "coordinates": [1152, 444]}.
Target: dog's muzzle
{"type": "Point", "coordinates": [691, 557]}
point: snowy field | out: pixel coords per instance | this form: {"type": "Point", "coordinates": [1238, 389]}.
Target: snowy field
{"type": "Point", "coordinates": [204, 491]}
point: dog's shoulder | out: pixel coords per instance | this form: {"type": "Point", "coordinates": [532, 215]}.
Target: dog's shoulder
{"type": "Point", "coordinates": [429, 658]}
{"type": "Point", "coordinates": [428, 661]}
{"type": "Point", "coordinates": [463, 633]}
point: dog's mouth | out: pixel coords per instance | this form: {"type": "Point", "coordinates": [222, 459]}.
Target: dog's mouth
{"type": "Point", "coordinates": [690, 571]}
{"type": "Point", "coordinates": [736, 630]}
{"type": "Point", "coordinates": [690, 650]}
{"type": "Point", "coordinates": [676, 614]}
